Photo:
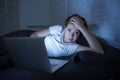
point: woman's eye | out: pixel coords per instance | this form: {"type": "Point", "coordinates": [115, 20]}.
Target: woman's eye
{"type": "Point", "coordinates": [77, 32]}
{"type": "Point", "coordinates": [69, 29]}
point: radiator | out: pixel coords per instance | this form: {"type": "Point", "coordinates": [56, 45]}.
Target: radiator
{"type": "Point", "coordinates": [37, 27]}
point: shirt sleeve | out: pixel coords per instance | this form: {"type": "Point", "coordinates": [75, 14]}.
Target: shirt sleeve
{"type": "Point", "coordinates": [57, 29]}
{"type": "Point", "coordinates": [72, 48]}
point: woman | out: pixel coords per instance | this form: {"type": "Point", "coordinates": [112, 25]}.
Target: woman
{"type": "Point", "coordinates": [61, 41]}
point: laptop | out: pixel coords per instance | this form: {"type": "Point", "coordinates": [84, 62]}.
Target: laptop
{"type": "Point", "coordinates": [30, 53]}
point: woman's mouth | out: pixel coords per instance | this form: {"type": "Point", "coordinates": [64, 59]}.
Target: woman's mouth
{"type": "Point", "coordinates": [70, 39]}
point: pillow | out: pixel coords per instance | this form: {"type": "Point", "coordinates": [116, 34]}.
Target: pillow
{"type": "Point", "coordinates": [3, 50]}
{"type": "Point", "coordinates": [19, 33]}
{"type": "Point", "coordinates": [5, 62]}
{"type": "Point", "coordinates": [111, 55]}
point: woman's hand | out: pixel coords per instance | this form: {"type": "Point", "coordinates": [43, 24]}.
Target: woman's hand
{"type": "Point", "coordinates": [92, 41]}
{"type": "Point", "coordinates": [78, 23]}
{"type": "Point", "coordinates": [41, 33]}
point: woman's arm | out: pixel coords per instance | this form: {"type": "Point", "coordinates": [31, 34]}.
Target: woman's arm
{"type": "Point", "coordinates": [92, 41]}
{"type": "Point", "coordinates": [41, 33]}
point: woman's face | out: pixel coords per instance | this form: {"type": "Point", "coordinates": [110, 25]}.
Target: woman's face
{"type": "Point", "coordinates": [71, 33]}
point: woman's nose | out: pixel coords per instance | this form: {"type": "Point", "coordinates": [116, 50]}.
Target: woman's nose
{"type": "Point", "coordinates": [72, 34]}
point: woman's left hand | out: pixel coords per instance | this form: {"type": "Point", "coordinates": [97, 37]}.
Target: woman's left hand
{"type": "Point", "coordinates": [78, 23]}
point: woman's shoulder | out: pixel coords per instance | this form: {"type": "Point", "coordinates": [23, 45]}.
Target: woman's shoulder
{"type": "Point", "coordinates": [56, 28]}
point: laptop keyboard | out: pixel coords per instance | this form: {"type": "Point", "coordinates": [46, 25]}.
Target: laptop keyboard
{"type": "Point", "coordinates": [53, 65]}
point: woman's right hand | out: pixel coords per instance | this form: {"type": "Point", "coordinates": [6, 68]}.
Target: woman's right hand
{"type": "Point", "coordinates": [41, 33]}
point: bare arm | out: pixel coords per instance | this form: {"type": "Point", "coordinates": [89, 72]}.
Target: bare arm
{"type": "Point", "coordinates": [92, 41]}
{"type": "Point", "coordinates": [41, 33]}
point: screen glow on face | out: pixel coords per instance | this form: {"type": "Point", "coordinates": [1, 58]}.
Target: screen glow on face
{"type": "Point", "coordinates": [71, 33]}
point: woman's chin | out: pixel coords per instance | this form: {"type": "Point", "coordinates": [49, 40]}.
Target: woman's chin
{"type": "Point", "coordinates": [69, 41]}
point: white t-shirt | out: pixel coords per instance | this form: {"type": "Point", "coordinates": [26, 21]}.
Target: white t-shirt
{"type": "Point", "coordinates": [54, 44]}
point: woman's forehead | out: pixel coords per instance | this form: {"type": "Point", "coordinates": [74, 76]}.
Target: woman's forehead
{"type": "Point", "coordinates": [72, 26]}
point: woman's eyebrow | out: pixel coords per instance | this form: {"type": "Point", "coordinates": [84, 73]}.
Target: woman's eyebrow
{"type": "Point", "coordinates": [77, 30]}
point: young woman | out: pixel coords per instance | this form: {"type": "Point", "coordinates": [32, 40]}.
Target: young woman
{"type": "Point", "coordinates": [61, 41]}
